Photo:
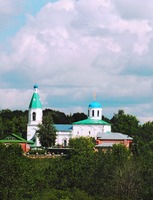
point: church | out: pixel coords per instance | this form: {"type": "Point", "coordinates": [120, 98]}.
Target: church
{"type": "Point", "coordinates": [93, 126]}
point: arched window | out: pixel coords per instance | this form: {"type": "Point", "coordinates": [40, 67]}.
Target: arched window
{"type": "Point", "coordinates": [34, 116]}
{"type": "Point", "coordinates": [92, 113]}
{"type": "Point", "coordinates": [98, 113]}
{"type": "Point", "coordinates": [65, 143]}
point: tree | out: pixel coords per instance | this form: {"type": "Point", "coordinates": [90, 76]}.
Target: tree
{"type": "Point", "coordinates": [142, 138]}
{"type": "Point", "coordinates": [58, 117]}
{"type": "Point", "coordinates": [19, 125]}
{"type": "Point", "coordinates": [128, 181]}
{"type": "Point", "coordinates": [82, 145]}
{"type": "Point", "coordinates": [47, 132]}
{"type": "Point", "coordinates": [13, 122]}
{"type": "Point", "coordinates": [78, 116]}
{"type": "Point", "coordinates": [14, 172]}
{"type": "Point", "coordinates": [125, 123]}
{"type": "Point", "coordinates": [146, 132]}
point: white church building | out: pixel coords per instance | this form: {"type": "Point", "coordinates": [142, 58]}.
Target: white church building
{"type": "Point", "coordinates": [93, 126]}
{"type": "Point", "coordinates": [88, 127]}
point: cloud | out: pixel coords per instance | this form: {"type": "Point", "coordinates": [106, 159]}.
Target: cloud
{"type": "Point", "coordinates": [134, 9]}
{"type": "Point", "coordinates": [72, 48]}
{"type": "Point", "coordinates": [11, 6]}
{"type": "Point", "coordinates": [11, 97]}
{"type": "Point", "coordinates": [18, 98]}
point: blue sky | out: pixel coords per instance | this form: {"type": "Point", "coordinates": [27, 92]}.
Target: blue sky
{"type": "Point", "coordinates": [74, 48]}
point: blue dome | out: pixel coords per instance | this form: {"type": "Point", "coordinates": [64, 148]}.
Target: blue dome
{"type": "Point", "coordinates": [35, 86]}
{"type": "Point", "coordinates": [94, 104]}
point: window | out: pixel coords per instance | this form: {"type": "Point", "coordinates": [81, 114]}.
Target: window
{"type": "Point", "coordinates": [98, 113]}
{"type": "Point", "coordinates": [92, 113]}
{"type": "Point", "coordinates": [34, 116]}
{"type": "Point", "coordinates": [65, 143]}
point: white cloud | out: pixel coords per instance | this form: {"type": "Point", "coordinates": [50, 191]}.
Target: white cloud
{"type": "Point", "coordinates": [10, 98]}
{"type": "Point", "coordinates": [85, 46]}
{"type": "Point", "coordinates": [8, 7]}
{"type": "Point", "coordinates": [17, 98]}
{"type": "Point", "coordinates": [134, 9]}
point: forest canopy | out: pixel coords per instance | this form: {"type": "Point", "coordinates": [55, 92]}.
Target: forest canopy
{"type": "Point", "coordinates": [119, 174]}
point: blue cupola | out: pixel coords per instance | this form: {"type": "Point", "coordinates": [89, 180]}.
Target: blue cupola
{"type": "Point", "coordinates": [94, 104]}
{"type": "Point", "coordinates": [95, 110]}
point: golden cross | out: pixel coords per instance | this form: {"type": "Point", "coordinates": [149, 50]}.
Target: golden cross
{"type": "Point", "coordinates": [94, 96]}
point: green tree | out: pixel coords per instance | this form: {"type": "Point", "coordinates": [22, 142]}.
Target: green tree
{"type": "Point", "coordinates": [14, 176]}
{"type": "Point", "coordinates": [125, 123]}
{"type": "Point", "coordinates": [128, 181]}
{"type": "Point", "coordinates": [13, 122]}
{"type": "Point", "coordinates": [82, 145]}
{"type": "Point", "coordinates": [58, 117]}
{"type": "Point", "coordinates": [120, 154]}
{"type": "Point", "coordinates": [47, 132]}
{"type": "Point", "coordinates": [142, 138]}
{"type": "Point", "coordinates": [19, 126]}
{"type": "Point", "coordinates": [146, 132]}
{"type": "Point", "coordinates": [78, 116]}
{"type": "Point", "coordinates": [80, 167]}
{"type": "Point", "coordinates": [105, 166]}
{"type": "Point", "coordinates": [146, 161]}
{"type": "Point", "coordinates": [1, 128]}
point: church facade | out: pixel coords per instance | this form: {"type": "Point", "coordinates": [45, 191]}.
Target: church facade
{"type": "Point", "coordinates": [93, 126]}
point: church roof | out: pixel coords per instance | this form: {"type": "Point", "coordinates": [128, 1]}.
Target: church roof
{"type": "Point", "coordinates": [35, 100]}
{"type": "Point", "coordinates": [94, 104]}
{"type": "Point", "coordinates": [113, 136]}
{"type": "Point", "coordinates": [91, 122]}
{"type": "Point", "coordinates": [63, 127]}
{"type": "Point", "coordinates": [13, 138]}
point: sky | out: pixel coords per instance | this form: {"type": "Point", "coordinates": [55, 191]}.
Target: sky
{"type": "Point", "coordinates": [76, 48]}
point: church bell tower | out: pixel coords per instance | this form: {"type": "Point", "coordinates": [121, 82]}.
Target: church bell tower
{"type": "Point", "coordinates": [34, 116]}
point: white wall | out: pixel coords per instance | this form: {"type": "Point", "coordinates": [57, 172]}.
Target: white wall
{"type": "Point", "coordinates": [38, 112]}
{"type": "Point", "coordinates": [96, 111]}
{"type": "Point", "coordinates": [61, 136]}
{"type": "Point", "coordinates": [90, 130]}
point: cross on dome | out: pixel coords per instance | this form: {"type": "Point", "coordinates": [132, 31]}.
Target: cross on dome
{"type": "Point", "coordinates": [94, 96]}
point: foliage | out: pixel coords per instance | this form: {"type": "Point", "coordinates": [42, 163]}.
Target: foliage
{"type": "Point", "coordinates": [81, 145]}
{"type": "Point", "coordinates": [57, 116]}
{"type": "Point", "coordinates": [54, 194]}
{"type": "Point", "coordinates": [125, 123]}
{"type": "Point", "coordinates": [86, 175]}
{"type": "Point", "coordinates": [13, 173]}
{"type": "Point", "coordinates": [120, 154]}
{"type": "Point", "coordinates": [146, 132]}
{"type": "Point", "coordinates": [13, 122]}
{"type": "Point", "coordinates": [78, 116]}
{"type": "Point", "coordinates": [127, 181]}
{"type": "Point", "coordinates": [47, 132]}
{"type": "Point", "coordinates": [116, 174]}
